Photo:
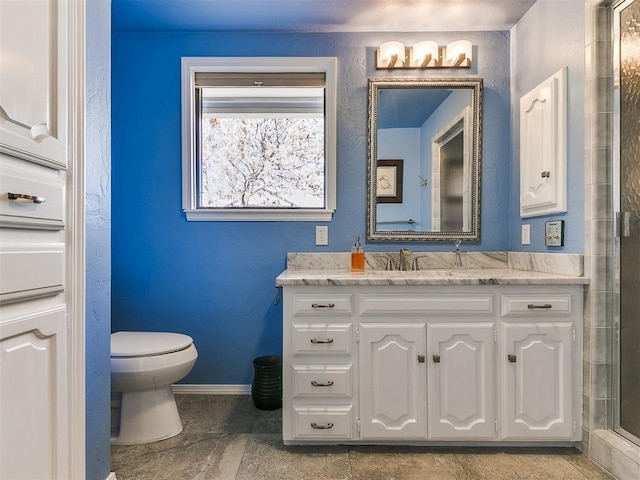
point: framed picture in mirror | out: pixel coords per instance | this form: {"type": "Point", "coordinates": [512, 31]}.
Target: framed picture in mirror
{"type": "Point", "coordinates": [389, 184]}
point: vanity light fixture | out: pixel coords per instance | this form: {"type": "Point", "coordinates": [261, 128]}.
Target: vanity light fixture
{"type": "Point", "coordinates": [392, 55]}
{"type": "Point", "coordinates": [425, 54]}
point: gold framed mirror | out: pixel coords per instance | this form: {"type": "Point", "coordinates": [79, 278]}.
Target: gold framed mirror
{"type": "Point", "coordinates": [432, 127]}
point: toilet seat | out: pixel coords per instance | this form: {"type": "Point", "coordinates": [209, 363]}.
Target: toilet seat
{"type": "Point", "coordinates": [147, 344]}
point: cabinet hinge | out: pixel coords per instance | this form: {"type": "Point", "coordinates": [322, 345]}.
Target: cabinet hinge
{"type": "Point", "coordinates": [358, 426]}
{"type": "Point", "coordinates": [575, 426]}
{"type": "Point", "coordinates": [573, 334]}
{"type": "Point", "coordinates": [495, 423]}
{"type": "Point", "coordinates": [358, 335]}
{"type": "Point", "coordinates": [495, 335]}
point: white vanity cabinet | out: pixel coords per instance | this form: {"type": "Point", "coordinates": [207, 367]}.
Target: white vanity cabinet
{"type": "Point", "coordinates": [318, 366]}
{"type": "Point", "coordinates": [432, 363]}
{"type": "Point", "coordinates": [538, 356]}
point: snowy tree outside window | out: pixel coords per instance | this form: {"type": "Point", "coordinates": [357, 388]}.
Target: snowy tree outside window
{"type": "Point", "coordinates": [268, 161]}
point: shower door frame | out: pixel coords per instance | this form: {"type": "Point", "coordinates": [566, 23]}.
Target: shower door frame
{"type": "Point", "coordinates": [617, 223]}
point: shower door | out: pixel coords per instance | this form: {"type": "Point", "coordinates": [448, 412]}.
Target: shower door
{"type": "Point", "coordinates": [626, 202]}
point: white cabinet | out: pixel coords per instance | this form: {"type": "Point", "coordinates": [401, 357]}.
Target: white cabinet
{"type": "Point", "coordinates": [543, 150]}
{"type": "Point", "coordinates": [318, 367]}
{"type": "Point", "coordinates": [41, 240]}
{"type": "Point", "coordinates": [481, 363]}
{"type": "Point", "coordinates": [393, 381]}
{"type": "Point", "coordinates": [461, 373]}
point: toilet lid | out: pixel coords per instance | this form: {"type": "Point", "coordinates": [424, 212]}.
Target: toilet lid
{"type": "Point", "coordinates": [138, 344]}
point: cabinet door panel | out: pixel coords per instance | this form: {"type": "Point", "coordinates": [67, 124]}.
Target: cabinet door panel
{"type": "Point", "coordinates": [392, 380]}
{"type": "Point", "coordinates": [538, 381]}
{"type": "Point", "coordinates": [543, 148]}
{"type": "Point", "coordinates": [461, 381]}
{"type": "Point", "coordinates": [33, 436]}
{"type": "Point", "coordinates": [33, 91]}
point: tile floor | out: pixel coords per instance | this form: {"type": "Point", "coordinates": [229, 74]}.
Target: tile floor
{"type": "Point", "coordinates": [227, 438]}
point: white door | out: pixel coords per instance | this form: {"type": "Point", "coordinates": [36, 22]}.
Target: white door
{"type": "Point", "coordinates": [41, 306]}
{"type": "Point", "coordinates": [537, 397]}
{"type": "Point", "coordinates": [461, 381]}
{"type": "Point", "coordinates": [392, 381]}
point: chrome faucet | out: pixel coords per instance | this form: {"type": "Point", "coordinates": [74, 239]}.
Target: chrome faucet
{"type": "Point", "coordinates": [405, 259]}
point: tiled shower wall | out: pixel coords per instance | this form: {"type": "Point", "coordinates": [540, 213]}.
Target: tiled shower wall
{"type": "Point", "coordinates": [614, 453]}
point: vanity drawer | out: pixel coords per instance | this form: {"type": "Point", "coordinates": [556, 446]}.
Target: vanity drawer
{"type": "Point", "coordinates": [319, 381]}
{"type": "Point", "coordinates": [321, 338]}
{"type": "Point", "coordinates": [322, 422]}
{"type": "Point", "coordinates": [415, 304]}
{"type": "Point", "coordinates": [30, 271]}
{"type": "Point", "coordinates": [322, 305]}
{"type": "Point", "coordinates": [40, 197]}
{"type": "Point", "coordinates": [537, 305]}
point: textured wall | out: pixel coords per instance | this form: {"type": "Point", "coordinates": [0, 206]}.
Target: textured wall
{"type": "Point", "coordinates": [549, 37]}
{"type": "Point", "coordinates": [98, 237]}
{"type": "Point", "coordinates": [215, 280]}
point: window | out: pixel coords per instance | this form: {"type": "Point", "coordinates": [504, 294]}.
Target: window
{"type": "Point", "coordinates": [259, 138]}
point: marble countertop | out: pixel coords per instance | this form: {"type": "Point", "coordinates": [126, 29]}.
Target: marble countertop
{"type": "Point", "coordinates": [480, 276]}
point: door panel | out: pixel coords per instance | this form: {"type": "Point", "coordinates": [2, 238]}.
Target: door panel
{"type": "Point", "coordinates": [392, 381]}
{"type": "Point", "coordinates": [627, 123]}
{"type": "Point", "coordinates": [33, 396]}
{"type": "Point", "coordinates": [461, 381]}
{"type": "Point", "coordinates": [537, 397]}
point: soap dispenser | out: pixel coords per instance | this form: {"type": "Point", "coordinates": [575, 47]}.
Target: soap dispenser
{"type": "Point", "coordinates": [357, 256]}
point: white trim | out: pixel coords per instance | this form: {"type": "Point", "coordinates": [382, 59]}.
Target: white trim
{"type": "Point", "coordinates": [185, 389]}
{"type": "Point", "coordinates": [112, 476]}
{"type": "Point", "coordinates": [258, 215]}
{"type": "Point", "coordinates": [76, 239]}
{"type": "Point", "coordinates": [191, 65]}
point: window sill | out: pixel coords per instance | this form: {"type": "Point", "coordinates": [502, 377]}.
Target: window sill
{"type": "Point", "coordinates": [259, 215]}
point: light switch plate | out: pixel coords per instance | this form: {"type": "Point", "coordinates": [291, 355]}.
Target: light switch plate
{"type": "Point", "coordinates": [526, 234]}
{"type": "Point", "coordinates": [554, 233]}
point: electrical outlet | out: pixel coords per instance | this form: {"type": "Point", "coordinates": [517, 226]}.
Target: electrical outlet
{"type": "Point", "coordinates": [322, 235]}
{"type": "Point", "coordinates": [526, 234]}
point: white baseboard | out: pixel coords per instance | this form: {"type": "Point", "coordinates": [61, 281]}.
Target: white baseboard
{"type": "Point", "coordinates": [184, 389]}
{"type": "Point", "coordinates": [112, 476]}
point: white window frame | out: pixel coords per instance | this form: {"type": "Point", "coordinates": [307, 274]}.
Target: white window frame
{"type": "Point", "coordinates": [191, 65]}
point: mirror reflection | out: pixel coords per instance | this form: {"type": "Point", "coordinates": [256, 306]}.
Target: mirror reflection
{"type": "Point", "coordinates": [424, 159]}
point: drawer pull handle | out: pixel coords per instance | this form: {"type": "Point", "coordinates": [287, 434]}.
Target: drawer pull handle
{"type": "Point", "coordinates": [23, 196]}
{"type": "Point", "coordinates": [323, 305]}
{"type": "Point", "coordinates": [328, 383]}
{"type": "Point", "coordinates": [533, 306]}
{"type": "Point", "coordinates": [318, 340]}
{"type": "Point", "coordinates": [511, 357]}
{"type": "Point", "coordinates": [436, 358]}
{"type": "Point", "coordinates": [326, 426]}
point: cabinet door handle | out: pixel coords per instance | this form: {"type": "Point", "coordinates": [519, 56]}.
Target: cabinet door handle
{"type": "Point", "coordinates": [328, 383]}
{"type": "Point", "coordinates": [533, 306]}
{"type": "Point", "coordinates": [23, 196]}
{"type": "Point", "coordinates": [421, 358]}
{"type": "Point", "coordinates": [323, 305]}
{"type": "Point", "coordinates": [319, 340]}
{"type": "Point", "coordinates": [326, 426]}
{"type": "Point", "coordinates": [511, 357]}
{"type": "Point", "coordinates": [436, 358]}
{"type": "Point", "coordinates": [545, 174]}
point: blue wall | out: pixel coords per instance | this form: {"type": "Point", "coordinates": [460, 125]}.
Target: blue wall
{"type": "Point", "coordinates": [549, 37]}
{"type": "Point", "coordinates": [215, 280]}
{"type": "Point", "coordinates": [98, 242]}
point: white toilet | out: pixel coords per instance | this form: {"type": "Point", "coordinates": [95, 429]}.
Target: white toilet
{"type": "Point", "coordinates": [143, 367]}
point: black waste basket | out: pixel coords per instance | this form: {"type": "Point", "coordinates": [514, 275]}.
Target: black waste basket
{"type": "Point", "coordinates": [266, 389]}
